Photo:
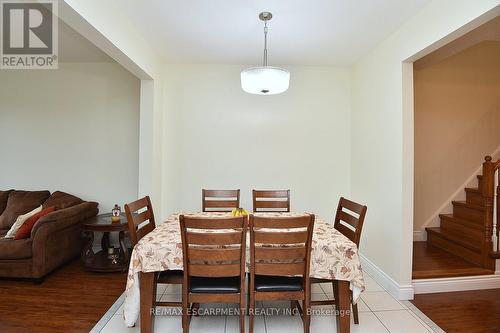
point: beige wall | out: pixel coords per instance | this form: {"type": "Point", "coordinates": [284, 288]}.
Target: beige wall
{"type": "Point", "coordinates": [74, 129]}
{"type": "Point", "coordinates": [457, 123]}
{"type": "Point", "coordinates": [217, 136]}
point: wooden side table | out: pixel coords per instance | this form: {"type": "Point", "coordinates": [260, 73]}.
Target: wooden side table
{"type": "Point", "coordinates": [100, 261]}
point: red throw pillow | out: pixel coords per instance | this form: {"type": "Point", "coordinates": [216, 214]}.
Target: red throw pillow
{"type": "Point", "coordinates": [25, 230]}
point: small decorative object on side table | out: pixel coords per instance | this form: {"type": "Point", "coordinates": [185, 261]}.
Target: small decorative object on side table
{"type": "Point", "coordinates": [115, 213]}
{"type": "Point", "coordinates": [108, 259]}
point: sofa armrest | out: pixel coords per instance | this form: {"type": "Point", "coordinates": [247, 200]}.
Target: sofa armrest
{"type": "Point", "coordinates": [65, 218]}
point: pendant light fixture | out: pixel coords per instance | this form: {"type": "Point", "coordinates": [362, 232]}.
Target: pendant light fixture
{"type": "Point", "coordinates": [265, 80]}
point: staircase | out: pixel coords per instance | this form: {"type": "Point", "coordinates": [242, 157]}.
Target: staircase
{"type": "Point", "coordinates": [467, 233]}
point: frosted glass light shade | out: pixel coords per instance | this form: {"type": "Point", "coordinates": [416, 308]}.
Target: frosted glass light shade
{"type": "Point", "coordinates": [265, 80]}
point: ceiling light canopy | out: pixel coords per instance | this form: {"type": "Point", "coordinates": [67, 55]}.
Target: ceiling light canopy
{"type": "Point", "coordinates": [265, 80]}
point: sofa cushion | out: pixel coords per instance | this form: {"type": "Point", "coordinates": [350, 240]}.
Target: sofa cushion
{"type": "Point", "coordinates": [25, 230]}
{"type": "Point", "coordinates": [61, 200]}
{"type": "Point", "coordinates": [14, 249]}
{"type": "Point", "coordinates": [21, 202]}
{"type": "Point", "coordinates": [4, 196]}
{"type": "Point", "coordinates": [20, 221]}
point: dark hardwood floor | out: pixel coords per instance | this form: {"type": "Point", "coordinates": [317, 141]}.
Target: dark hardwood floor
{"type": "Point", "coordinates": [70, 300]}
{"type": "Point", "coordinates": [476, 311]}
{"type": "Point", "coordinates": [432, 262]}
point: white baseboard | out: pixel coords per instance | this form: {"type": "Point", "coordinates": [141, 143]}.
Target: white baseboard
{"type": "Point", "coordinates": [419, 236]}
{"type": "Point", "coordinates": [400, 292]}
{"type": "Point", "coordinates": [462, 283]}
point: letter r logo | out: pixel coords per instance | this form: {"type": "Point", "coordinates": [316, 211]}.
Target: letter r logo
{"type": "Point", "coordinates": [27, 28]}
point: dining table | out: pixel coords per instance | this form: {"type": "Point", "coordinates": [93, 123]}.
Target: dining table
{"type": "Point", "coordinates": [333, 257]}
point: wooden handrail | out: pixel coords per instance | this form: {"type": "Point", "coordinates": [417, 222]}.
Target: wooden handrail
{"type": "Point", "coordinates": [489, 189]}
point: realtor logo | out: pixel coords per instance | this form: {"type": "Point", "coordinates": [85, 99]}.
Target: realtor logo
{"type": "Point", "coordinates": [28, 34]}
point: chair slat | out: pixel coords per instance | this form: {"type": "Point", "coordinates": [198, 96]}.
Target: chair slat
{"type": "Point", "coordinates": [209, 223]}
{"type": "Point", "coordinates": [351, 234]}
{"type": "Point", "coordinates": [280, 269]}
{"type": "Point", "coordinates": [280, 253]}
{"type": "Point", "coordinates": [138, 204]}
{"type": "Point", "coordinates": [275, 200]}
{"type": "Point", "coordinates": [136, 226]}
{"type": "Point", "coordinates": [214, 254]}
{"type": "Point", "coordinates": [201, 238]}
{"type": "Point", "coordinates": [143, 231]}
{"type": "Point", "coordinates": [349, 219]}
{"type": "Point", "coordinates": [271, 204]}
{"type": "Point", "coordinates": [355, 222]}
{"type": "Point", "coordinates": [141, 217]}
{"type": "Point", "coordinates": [279, 222]}
{"type": "Point", "coordinates": [211, 204]}
{"type": "Point", "coordinates": [221, 204]}
{"type": "Point", "coordinates": [271, 193]}
{"type": "Point", "coordinates": [221, 193]}
{"type": "Point", "coordinates": [214, 270]}
{"type": "Point", "coordinates": [292, 237]}
{"type": "Point", "coordinates": [351, 205]}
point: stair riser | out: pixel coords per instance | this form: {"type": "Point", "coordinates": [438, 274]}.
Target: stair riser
{"type": "Point", "coordinates": [454, 248]}
{"type": "Point", "coordinates": [465, 223]}
{"type": "Point", "coordinates": [462, 230]}
{"type": "Point", "coordinates": [467, 213]}
{"type": "Point", "coordinates": [475, 198]}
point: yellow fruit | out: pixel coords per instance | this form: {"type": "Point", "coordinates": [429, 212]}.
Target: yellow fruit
{"type": "Point", "coordinates": [236, 212]}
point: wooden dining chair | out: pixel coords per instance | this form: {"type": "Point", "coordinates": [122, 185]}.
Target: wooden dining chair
{"type": "Point", "coordinates": [213, 251]}
{"type": "Point", "coordinates": [280, 262]}
{"type": "Point", "coordinates": [271, 200]}
{"type": "Point", "coordinates": [350, 226]}
{"type": "Point", "coordinates": [141, 221]}
{"type": "Point", "coordinates": [220, 200]}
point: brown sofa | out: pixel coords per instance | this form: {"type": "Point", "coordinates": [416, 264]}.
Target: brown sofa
{"type": "Point", "coordinates": [55, 238]}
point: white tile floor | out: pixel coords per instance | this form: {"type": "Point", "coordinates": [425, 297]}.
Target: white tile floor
{"type": "Point", "coordinates": [379, 312]}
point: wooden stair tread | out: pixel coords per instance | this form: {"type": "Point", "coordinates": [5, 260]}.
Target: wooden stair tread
{"type": "Point", "coordinates": [495, 254]}
{"type": "Point", "coordinates": [466, 223]}
{"type": "Point", "coordinates": [430, 261]}
{"type": "Point", "coordinates": [461, 240]}
{"type": "Point", "coordinates": [450, 272]}
{"type": "Point", "coordinates": [468, 205]}
{"type": "Point", "coordinates": [472, 189]}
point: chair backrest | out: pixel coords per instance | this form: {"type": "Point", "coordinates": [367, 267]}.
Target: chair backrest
{"type": "Point", "coordinates": [220, 200]}
{"type": "Point", "coordinates": [346, 222]}
{"type": "Point", "coordinates": [213, 247]}
{"type": "Point", "coordinates": [138, 212]}
{"type": "Point", "coordinates": [271, 200]}
{"type": "Point", "coordinates": [281, 246]}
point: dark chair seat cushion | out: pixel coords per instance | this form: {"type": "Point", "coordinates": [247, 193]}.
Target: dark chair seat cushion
{"type": "Point", "coordinates": [278, 283]}
{"type": "Point", "coordinates": [208, 285]}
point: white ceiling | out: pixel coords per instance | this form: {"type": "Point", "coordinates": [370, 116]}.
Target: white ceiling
{"type": "Point", "coordinates": [307, 32]}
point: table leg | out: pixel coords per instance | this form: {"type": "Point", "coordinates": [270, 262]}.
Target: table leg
{"type": "Point", "coordinates": [87, 251]}
{"type": "Point", "coordinates": [147, 297]}
{"type": "Point", "coordinates": [343, 302]}
{"type": "Point", "coordinates": [105, 242]}
{"type": "Point", "coordinates": [123, 246]}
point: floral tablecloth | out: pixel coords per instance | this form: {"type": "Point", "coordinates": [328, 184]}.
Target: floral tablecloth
{"type": "Point", "coordinates": [333, 256]}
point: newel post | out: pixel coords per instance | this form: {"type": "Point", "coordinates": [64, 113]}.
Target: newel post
{"type": "Point", "coordinates": [488, 193]}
